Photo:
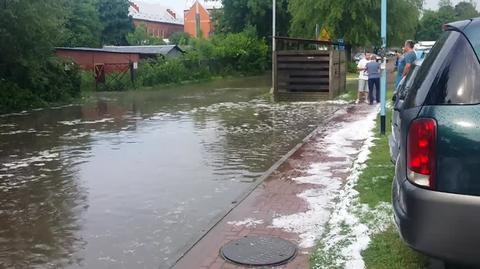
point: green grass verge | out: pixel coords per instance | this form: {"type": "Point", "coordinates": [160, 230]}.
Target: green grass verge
{"type": "Point", "coordinates": [375, 182]}
{"type": "Point", "coordinates": [351, 94]}
{"type": "Point", "coordinates": [386, 249]}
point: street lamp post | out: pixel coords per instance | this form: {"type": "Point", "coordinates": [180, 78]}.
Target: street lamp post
{"type": "Point", "coordinates": [383, 81]}
{"type": "Point", "coordinates": [274, 45]}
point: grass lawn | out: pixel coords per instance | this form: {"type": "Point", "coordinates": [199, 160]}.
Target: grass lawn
{"type": "Point", "coordinates": [386, 249]}
{"type": "Point", "coordinates": [351, 94]}
{"type": "Point", "coordinates": [372, 207]}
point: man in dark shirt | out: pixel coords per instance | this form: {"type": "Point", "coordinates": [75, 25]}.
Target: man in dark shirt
{"type": "Point", "coordinates": [373, 70]}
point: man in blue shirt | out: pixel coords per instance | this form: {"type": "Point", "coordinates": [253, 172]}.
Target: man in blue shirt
{"type": "Point", "coordinates": [373, 70]}
{"type": "Point", "coordinates": [406, 61]}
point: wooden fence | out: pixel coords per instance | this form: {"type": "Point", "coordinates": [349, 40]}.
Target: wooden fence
{"type": "Point", "coordinates": [308, 70]}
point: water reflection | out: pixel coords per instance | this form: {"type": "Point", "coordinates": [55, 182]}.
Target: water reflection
{"type": "Point", "coordinates": [128, 180]}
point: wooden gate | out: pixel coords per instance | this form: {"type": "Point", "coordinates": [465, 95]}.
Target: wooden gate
{"type": "Point", "coordinates": [308, 70]}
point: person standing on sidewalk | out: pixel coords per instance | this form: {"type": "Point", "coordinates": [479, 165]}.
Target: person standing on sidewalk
{"type": "Point", "coordinates": [373, 70]}
{"type": "Point", "coordinates": [362, 79]}
{"type": "Point", "coordinates": [405, 62]}
{"type": "Point", "coordinates": [399, 57]}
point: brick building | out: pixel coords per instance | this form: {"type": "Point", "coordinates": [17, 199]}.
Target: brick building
{"type": "Point", "coordinates": [160, 21]}
{"type": "Point", "coordinates": [198, 17]}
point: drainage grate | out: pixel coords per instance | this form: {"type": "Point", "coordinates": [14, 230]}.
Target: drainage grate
{"type": "Point", "coordinates": [259, 251]}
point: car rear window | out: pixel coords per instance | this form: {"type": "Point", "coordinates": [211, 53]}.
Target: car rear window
{"type": "Point", "coordinates": [448, 75]}
{"type": "Point", "coordinates": [423, 79]}
{"type": "Point", "coordinates": [473, 34]}
{"type": "Point", "coordinates": [457, 80]}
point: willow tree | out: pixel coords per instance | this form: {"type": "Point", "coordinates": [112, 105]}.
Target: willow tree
{"type": "Point", "coordinates": [83, 27]}
{"type": "Point", "coordinates": [117, 24]}
{"type": "Point", "coordinates": [430, 27]}
{"type": "Point", "coordinates": [239, 15]}
{"type": "Point", "coordinates": [358, 22]}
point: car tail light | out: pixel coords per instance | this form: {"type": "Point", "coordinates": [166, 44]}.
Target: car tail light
{"type": "Point", "coordinates": [421, 152]}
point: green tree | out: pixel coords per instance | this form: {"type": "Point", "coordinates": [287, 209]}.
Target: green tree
{"type": "Point", "coordinates": [29, 31]}
{"type": "Point", "coordinates": [83, 26]}
{"type": "Point", "coordinates": [465, 10]}
{"type": "Point", "coordinates": [403, 18]}
{"type": "Point", "coordinates": [358, 22]}
{"type": "Point", "coordinates": [240, 14]}
{"type": "Point", "coordinates": [445, 3]}
{"type": "Point", "coordinates": [141, 36]}
{"type": "Point", "coordinates": [116, 21]}
{"type": "Point", "coordinates": [180, 38]}
{"type": "Point", "coordinates": [30, 74]}
{"type": "Point", "coordinates": [430, 26]}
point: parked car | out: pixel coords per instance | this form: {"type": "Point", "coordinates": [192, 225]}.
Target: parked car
{"type": "Point", "coordinates": [391, 53]}
{"type": "Point", "coordinates": [436, 189]}
{"type": "Point", "coordinates": [422, 48]}
{"type": "Point", "coordinates": [398, 98]}
{"type": "Point", "coordinates": [357, 57]}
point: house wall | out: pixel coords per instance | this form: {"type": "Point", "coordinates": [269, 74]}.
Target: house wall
{"type": "Point", "coordinates": [87, 59]}
{"type": "Point", "coordinates": [206, 25]}
{"type": "Point", "coordinates": [159, 29]}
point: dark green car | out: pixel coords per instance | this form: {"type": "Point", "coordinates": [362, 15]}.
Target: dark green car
{"type": "Point", "coordinates": [436, 191]}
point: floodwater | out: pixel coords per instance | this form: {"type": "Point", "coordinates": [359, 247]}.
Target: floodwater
{"type": "Point", "coordinates": [129, 180]}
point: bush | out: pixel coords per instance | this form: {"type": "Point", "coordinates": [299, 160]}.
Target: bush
{"type": "Point", "coordinates": [226, 54]}
{"type": "Point", "coordinates": [352, 67]}
{"type": "Point", "coordinates": [241, 52]}
{"type": "Point", "coordinates": [152, 72]}
{"type": "Point", "coordinates": [14, 98]}
{"type": "Point", "coordinates": [60, 82]}
{"type": "Point", "coordinates": [53, 81]}
{"type": "Point", "coordinates": [87, 81]}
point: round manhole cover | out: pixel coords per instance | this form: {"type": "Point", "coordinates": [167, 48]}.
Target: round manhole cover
{"type": "Point", "coordinates": [259, 250]}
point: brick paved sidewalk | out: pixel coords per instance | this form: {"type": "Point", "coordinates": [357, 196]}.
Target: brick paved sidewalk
{"type": "Point", "coordinates": [278, 196]}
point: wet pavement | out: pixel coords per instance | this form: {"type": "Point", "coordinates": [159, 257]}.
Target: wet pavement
{"type": "Point", "coordinates": [295, 199]}
{"type": "Point", "coordinates": [133, 179]}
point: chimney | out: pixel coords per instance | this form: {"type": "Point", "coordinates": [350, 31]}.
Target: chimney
{"type": "Point", "coordinates": [135, 6]}
{"type": "Point", "coordinates": [172, 13]}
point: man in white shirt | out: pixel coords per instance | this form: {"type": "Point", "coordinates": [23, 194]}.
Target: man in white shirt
{"type": "Point", "coordinates": [362, 79]}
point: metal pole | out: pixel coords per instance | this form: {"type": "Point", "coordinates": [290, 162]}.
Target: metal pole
{"type": "Point", "coordinates": [383, 82]}
{"type": "Point", "coordinates": [274, 45]}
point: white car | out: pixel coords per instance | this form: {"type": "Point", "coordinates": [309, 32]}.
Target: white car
{"type": "Point", "coordinates": [422, 48]}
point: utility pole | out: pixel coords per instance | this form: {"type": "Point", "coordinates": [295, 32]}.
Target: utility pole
{"type": "Point", "coordinates": [383, 82]}
{"type": "Point", "coordinates": [274, 45]}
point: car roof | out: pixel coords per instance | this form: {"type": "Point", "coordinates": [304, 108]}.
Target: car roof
{"type": "Point", "coordinates": [462, 25]}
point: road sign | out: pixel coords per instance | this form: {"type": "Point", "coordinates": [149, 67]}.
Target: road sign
{"type": "Point", "coordinates": [341, 44]}
{"type": "Point", "coordinates": [324, 35]}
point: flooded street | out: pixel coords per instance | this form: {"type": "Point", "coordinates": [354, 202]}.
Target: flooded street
{"type": "Point", "coordinates": [130, 179]}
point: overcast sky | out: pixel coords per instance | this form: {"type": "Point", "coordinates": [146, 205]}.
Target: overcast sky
{"type": "Point", "coordinates": [433, 4]}
{"type": "Point", "coordinates": [179, 5]}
